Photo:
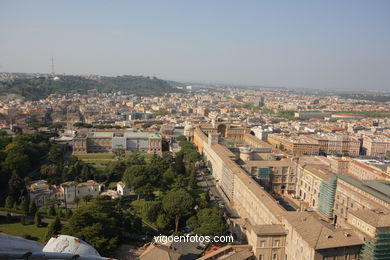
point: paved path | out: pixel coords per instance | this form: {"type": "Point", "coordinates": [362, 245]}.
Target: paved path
{"type": "Point", "coordinates": [217, 196]}
{"type": "Point", "coordinates": [18, 215]}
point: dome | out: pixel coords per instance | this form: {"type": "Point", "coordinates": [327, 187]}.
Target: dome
{"type": "Point", "coordinates": [189, 127]}
{"type": "Point", "coordinates": [71, 245]}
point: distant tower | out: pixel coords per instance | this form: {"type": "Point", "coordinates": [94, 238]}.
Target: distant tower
{"type": "Point", "coordinates": [52, 66]}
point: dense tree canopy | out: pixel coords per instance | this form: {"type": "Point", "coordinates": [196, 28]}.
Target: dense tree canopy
{"type": "Point", "coordinates": [99, 224]}
{"type": "Point", "coordinates": [177, 204]}
{"type": "Point", "coordinates": [208, 221]}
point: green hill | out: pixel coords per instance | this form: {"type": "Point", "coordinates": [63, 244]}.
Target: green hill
{"type": "Point", "coordinates": [37, 88]}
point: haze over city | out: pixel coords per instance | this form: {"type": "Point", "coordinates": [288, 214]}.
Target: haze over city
{"type": "Point", "coordinates": [295, 44]}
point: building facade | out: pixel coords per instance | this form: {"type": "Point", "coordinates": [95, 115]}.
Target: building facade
{"type": "Point", "coordinates": [109, 141]}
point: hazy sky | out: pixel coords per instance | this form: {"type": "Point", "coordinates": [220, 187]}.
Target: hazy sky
{"type": "Point", "coordinates": [311, 44]}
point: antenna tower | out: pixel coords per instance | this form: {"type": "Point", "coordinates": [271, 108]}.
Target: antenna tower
{"type": "Point", "coordinates": [52, 66]}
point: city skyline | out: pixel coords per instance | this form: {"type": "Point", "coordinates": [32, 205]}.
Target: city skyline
{"type": "Point", "coordinates": [302, 45]}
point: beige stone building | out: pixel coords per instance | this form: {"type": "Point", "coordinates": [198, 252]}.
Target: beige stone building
{"type": "Point", "coordinates": [376, 146]}
{"type": "Point", "coordinates": [109, 141]}
{"type": "Point", "coordinates": [277, 176]}
{"type": "Point", "coordinates": [352, 194]}
{"type": "Point", "coordinates": [341, 144]}
{"type": "Point", "coordinates": [268, 241]}
{"type": "Point", "coordinates": [296, 145]}
{"type": "Point", "coordinates": [226, 129]}
{"type": "Point", "coordinates": [310, 238]}
{"type": "Point", "coordinates": [340, 165]}
{"type": "Point", "coordinates": [260, 215]}
{"type": "Point", "coordinates": [363, 171]}
{"type": "Point", "coordinates": [312, 173]}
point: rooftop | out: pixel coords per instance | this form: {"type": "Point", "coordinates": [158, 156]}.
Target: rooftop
{"type": "Point", "coordinates": [379, 189]}
{"type": "Point", "coordinates": [319, 234]}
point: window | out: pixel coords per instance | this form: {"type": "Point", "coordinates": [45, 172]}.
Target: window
{"type": "Point", "coordinates": [274, 256]}
{"type": "Point", "coordinates": [261, 257]}
{"type": "Point", "coordinates": [276, 243]}
{"type": "Point", "coordinates": [262, 243]}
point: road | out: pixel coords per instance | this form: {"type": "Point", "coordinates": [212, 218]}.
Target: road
{"type": "Point", "coordinates": [217, 197]}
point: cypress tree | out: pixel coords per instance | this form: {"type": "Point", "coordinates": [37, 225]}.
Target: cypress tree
{"type": "Point", "coordinates": [38, 219]}
{"type": "Point", "coordinates": [53, 228]}
{"type": "Point", "coordinates": [33, 208]}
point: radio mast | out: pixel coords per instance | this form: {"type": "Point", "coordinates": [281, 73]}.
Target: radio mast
{"type": "Point", "coordinates": [52, 66]}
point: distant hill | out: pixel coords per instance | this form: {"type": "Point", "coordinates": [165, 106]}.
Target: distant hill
{"type": "Point", "coordinates": [36, 88]}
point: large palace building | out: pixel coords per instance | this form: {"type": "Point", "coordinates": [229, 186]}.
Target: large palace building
{"type": "Point", "coordinates": [109, 141]}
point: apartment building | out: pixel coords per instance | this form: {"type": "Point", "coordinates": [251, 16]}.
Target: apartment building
{"type": "Point", "coordinates": [340, 144]}
{"type": "Point", "coordinates": [373, 225]}
{"type": "Point", "coordinates": [268, 241]}
{"type": "Point", "coordinates": [316, 185]}
{"type": "Point", "coordinates": [376, 146]}
{"type": "Point", "coordinates": [311, 238]}
{"type": "Point", "coordinates": [353, 194]}
{"type": "Point", "coordinates": [296, 145]}
{"type": "Point", "coordinates": [339, 165]}
{"type": "Point", "coordinates": [362, 171]}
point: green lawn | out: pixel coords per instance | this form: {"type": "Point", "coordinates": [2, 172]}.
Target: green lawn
{"type": "Point", "coordinates": [17, 229]}
{"type": "Point", "coordinates": [96, 156]}
{"type": "Point", "coordinates": [96, 162]}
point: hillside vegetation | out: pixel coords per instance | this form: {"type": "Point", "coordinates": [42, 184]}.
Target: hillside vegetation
{"type": "Point", "coordinates": [37, 88]}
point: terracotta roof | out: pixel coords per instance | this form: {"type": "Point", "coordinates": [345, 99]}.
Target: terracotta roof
{"type": "Point", "coordinates": [321, 235]}
{"type": "Point", "coordinates": [376, 218]}
{"type": "Point", "coordinates": [266, 230]}
{"type": "Point", "coordinates": [240, 255]}
{"type": "Point", "coordinates": [155, 252]}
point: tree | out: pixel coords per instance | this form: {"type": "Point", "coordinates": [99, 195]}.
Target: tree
{"type": "Point", "coordinates": [168, 177]}
{"type": "Point", "coordinates": [99, 224]}
{"type": "Point", "coordinates": [51, 211]}
{"type": "Point", "coordinates": [77, 201]}
{"type": "Point", "coordinates": [37, 219]}
{"type": "Point", "coordinates": [54, 228]}
{"type": "Point", "coordinates": [192, 156]}
{"type": "Point", "coordinates": [87, 199]}
{"type": "Point", "coordinates": [32, 208]}
{"type": "Point", "coordinates": [9, 202]}
{"type": "Point", "coordinates": [24, 205]}
{"type": "Point", "coordinates": [180, 182]}
{"type": "Point", "coordinates": [138, 177]}
{"type": "Point", "coordinates": [208, 221]}
{"type": "Point", "coordinates": [55, 154]}
{"type": "Point", "coordinates": [388, 155]}
{"type": "Point", "coordinates": [68, 213]}
{"type": "Point", "coordinates": [192, 179]}
{"type": "Point", "coordinates": [17, 159]}
{"type": "Point", "coordinates": [150, 210]}
{"type": "Point", "coordinates": [179, 164]}
{"type": "Point", "coordinates": [162, 221]}
{"type": "Point", "coordinates": [177, 204]}
{"type": "Point", "coordinates": [55, 126]}
{"type": "Point", "coordinates": [86, 172]}
{"type": "Point", "coordinates": [15, 185]}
